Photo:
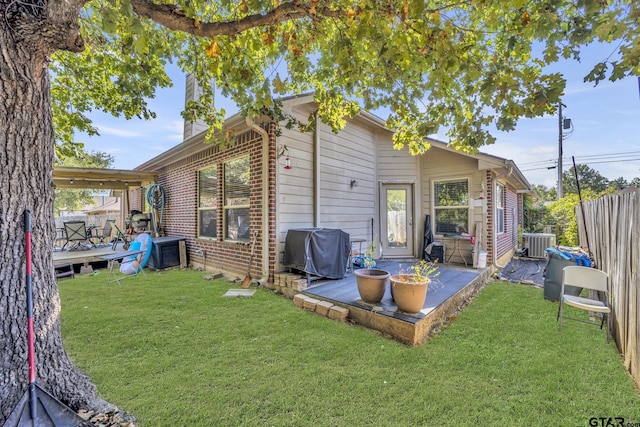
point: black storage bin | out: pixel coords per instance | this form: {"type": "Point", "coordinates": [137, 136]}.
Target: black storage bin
{"type": "Point", "coordinates": [165, 252]}
{"type": "Point", "coordinates": [553, 276]}
{"type": "Point", "coordinates": [438, 252]}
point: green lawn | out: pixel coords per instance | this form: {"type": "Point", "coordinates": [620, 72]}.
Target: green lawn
{"type": "Point", "coordinates": [172, 352]}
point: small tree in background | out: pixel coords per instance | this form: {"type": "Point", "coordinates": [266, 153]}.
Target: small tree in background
{"type": "Point", "coordinates": [562, 214]}
{"type": "Point", "coordinates": [589, 178]}
{"type": "Point", "coordinates": [72, 199]}
{"type": "Point", "coordinates": [533, 214]}
{"type": "Point", "coordinates": [547, 210]}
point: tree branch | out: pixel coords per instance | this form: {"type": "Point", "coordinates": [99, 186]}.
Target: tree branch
{"type": "Point", "coordinates": [173, 18]}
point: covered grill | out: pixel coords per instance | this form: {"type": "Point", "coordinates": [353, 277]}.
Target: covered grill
{"type": "Point", "coordinates": [322, 252]}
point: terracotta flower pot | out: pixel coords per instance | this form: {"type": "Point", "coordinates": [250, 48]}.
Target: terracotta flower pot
{"type": "Point", "coordinates": [408, 294]}
{"type": "Point", "coordinates": [372, 283]}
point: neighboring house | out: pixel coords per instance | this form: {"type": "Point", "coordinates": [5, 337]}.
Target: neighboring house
{"type": "Point", "coordinates": [102, 205]}
{"type": "Point", "coordinates": [354, 180]}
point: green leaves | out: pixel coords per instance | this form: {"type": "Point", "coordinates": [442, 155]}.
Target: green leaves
{"type": "Point", "coordinates": [598, 73]}
{"type": "Point", "coordinates": [469, 67]}
{"type": "Point", "coordinates": [110, 19]}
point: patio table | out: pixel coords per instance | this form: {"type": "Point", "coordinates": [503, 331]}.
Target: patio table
{"type": "Point", "coordinates": [457, 238]}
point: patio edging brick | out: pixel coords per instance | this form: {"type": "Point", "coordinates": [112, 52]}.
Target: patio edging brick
{"type": "Point", "coordinates": [290, 284]}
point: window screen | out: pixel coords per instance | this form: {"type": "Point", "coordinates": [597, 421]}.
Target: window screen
{"type": "Point", "coordinates": [236, 198]}
{"type": "Point", "coordinates": [499, 208]}
{"type": "Point", "coordinates": [208, 202]}
{"type": "Point", "coordinates": [451, 205]}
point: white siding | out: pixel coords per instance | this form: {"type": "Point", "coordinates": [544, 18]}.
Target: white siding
{"type": "Point", "coordinates": [439, 164]}
{"type": "Point", "coordinates": [346, 156]}
{"type": "Point", "coordinates": [310, 195]}
{"type": "Point", "coordinates": [396, 165]}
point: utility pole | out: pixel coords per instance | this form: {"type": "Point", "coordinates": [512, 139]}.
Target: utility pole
{"type": "Point", "coordinates": [559, 191]}
{"type": "Point", "coordinates": [563, 124]}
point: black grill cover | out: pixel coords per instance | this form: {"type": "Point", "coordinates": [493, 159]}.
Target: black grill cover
{"type": "Point", "coordinates": [321, 252]}
{"type": "Point", "coordinates": [428, 238]}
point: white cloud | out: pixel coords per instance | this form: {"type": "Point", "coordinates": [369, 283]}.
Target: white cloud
{"type": "Point", "coordinates": [175, 129]}
{"type": "Point", "coordinates": [124, 133]}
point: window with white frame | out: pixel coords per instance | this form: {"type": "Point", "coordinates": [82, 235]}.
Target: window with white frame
{"type": "Point", "coordinates": [451, 206]}
{"type": "Point", "coordinates": [499, 209]}
{"type": "Point", "coordinates": [236, 199]}
{"type": "Point", "coordinates": [208, 202]}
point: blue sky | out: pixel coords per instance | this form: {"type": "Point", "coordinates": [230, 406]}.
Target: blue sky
{"type": "Point", "coordinates": [606, 127]}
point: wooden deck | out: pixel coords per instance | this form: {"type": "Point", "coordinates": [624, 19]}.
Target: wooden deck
{"type": "Point", "coordinates": [85, 257]}
{"type": "Point", "coordinates": [447, 293]}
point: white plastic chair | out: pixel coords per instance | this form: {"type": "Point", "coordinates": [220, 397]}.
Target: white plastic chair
{"type": "Point", "coordinates": [586, 278]}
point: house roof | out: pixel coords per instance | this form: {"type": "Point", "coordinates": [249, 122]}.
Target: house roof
{"type": "Point", "coordinates": [114, 179]}
{"type": "Point", "coordinates": [502, 167]}
{"type": "Point", "coordinates": [110, 206]}
{"type": "Point", "coordinates": [189, 146]}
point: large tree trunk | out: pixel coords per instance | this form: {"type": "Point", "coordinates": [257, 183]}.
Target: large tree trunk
{"type": "Point", "coordinates": [27, 38]}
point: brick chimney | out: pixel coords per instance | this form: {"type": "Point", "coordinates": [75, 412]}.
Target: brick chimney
{"type": "Point", "coordinates": [192, 93]}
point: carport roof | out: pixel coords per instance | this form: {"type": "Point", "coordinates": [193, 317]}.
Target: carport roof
{"type": "Point", "coordinates": [95, 178]}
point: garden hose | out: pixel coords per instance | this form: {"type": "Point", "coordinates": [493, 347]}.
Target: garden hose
{"type": "Point", "coordinates": [157, 200]}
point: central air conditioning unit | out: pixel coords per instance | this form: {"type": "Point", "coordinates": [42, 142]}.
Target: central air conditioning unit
{"type": "Point", "coordinates": [536, 243]}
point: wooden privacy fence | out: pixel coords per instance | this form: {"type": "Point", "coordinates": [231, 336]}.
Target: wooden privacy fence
{"type": "Point", "coordinates": [97, 220]}
{"type": "Point", "coordinates": [612, 225]}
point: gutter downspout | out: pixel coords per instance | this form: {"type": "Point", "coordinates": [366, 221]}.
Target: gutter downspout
{"type": "Point", "coordinates": [316, 172]}
{"type": "Point", "coordinates": [495, 237]}
{"type": "Point", "coordinates": [265, 200]}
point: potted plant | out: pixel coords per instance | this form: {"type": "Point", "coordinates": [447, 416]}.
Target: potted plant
{"type": "Point", "coordinates": [409, 290]}
{"type": "Point", "coordinates": [371, 281]}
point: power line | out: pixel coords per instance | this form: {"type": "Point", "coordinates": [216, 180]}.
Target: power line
{"type": "Point", "coordinates": [539, 162]}
{"type": "Point", "coordinates": [612, 161]}
{"type": "Point", "coordinates": [598, 156]}
{"type": "Point", "coordinates": [585, 163]}
{"type": "Point", "coordinates": [610, 154]}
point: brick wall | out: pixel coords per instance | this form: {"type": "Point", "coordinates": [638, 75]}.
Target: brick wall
{"type": "Point", "coordinates": [505, 241]}
{"type": "Point", "coordinates": [136, 200]}
{"type": "Point", "coordinates": [179, 181]}
{"type": "Point", "coordinates": [521, 210]}
{"type": "Point", "coordinates": [273, 159]}
{"type": "Point", "coordinates": [490, 215]}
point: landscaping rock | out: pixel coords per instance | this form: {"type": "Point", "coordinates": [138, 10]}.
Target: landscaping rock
{"type": "Point", "coordinates": [323, 308]}
{"type": "Point", "coordinates": [299, 299]}
{"type": "Point", "coordinates": [338, 313]}
{"type": "Point", "coordinates": [310, 304]}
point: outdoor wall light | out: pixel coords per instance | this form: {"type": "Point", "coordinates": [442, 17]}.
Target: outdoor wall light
{"type": "Point", "coordinates": [354, 183]}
